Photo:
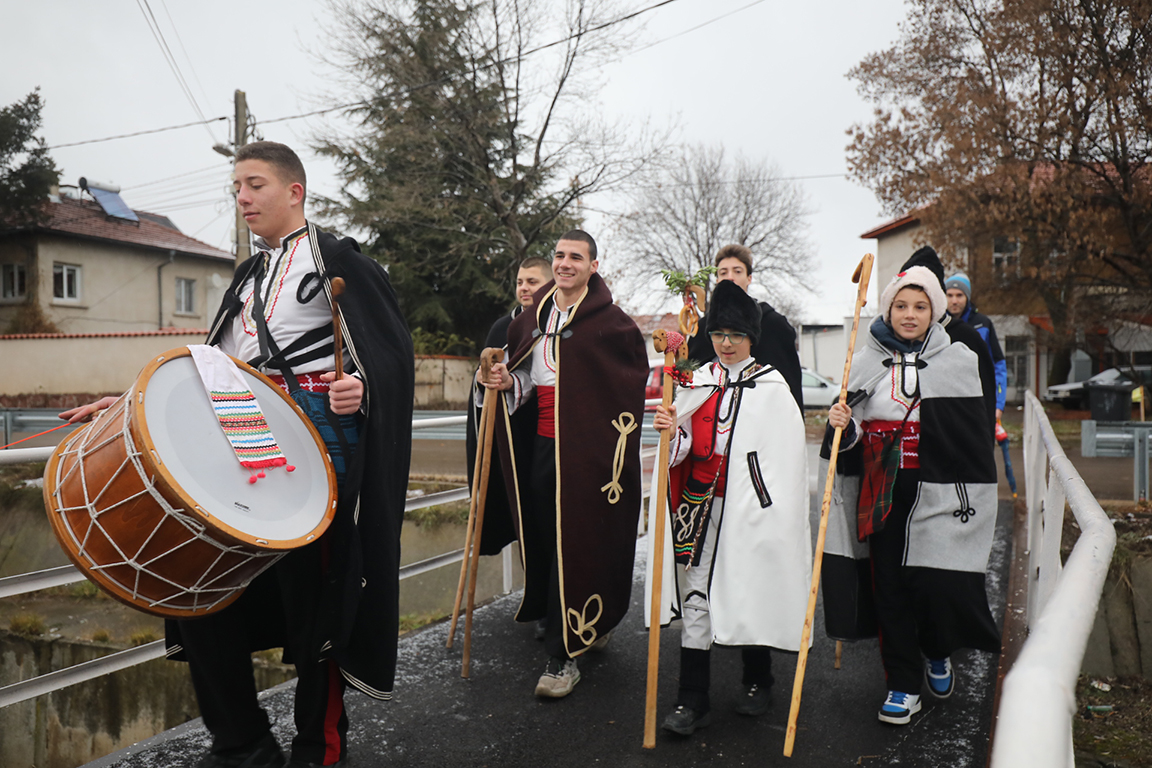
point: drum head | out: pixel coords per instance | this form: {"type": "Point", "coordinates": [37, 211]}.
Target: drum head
{"type": "Point", "coordinates": [186, 436]}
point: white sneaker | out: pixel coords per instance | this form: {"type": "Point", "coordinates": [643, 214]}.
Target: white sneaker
{"type": "Point", "coordinates": [899, 707]}
{"type": "Point", "coordinates": [559, 678]}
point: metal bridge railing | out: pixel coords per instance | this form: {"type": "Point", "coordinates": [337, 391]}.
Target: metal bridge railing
{"type": "Point", "coordinates": [68, 574]}
{"type": "Point", "coordinates": [1038, 698]}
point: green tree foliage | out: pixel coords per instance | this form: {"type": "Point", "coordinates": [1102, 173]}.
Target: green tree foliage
{"type": "Point", "coordinates": [466, 158]}
{"type": "Point", "coordinates": [26, 170]}
{"type": "Point", "coordinates": [1029, 123]}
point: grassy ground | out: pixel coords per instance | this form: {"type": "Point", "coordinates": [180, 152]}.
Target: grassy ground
{"type": "Point", "coordinates": [1114, 725]}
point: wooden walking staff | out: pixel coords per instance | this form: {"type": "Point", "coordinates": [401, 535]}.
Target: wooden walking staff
{"type": "Point", "coordinates": [480, 470]}
{"type": "Point", "coordinates": [661, 343]}
{"type": "Point", "coordinates": [861, 276]}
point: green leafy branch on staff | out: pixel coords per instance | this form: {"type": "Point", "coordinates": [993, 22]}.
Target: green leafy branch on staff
{"type": "Point", "coordinates": [678, 282]}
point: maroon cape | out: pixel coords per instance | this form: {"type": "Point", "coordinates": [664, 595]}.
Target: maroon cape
{"type": "Point", "coordinates": [601, 371]}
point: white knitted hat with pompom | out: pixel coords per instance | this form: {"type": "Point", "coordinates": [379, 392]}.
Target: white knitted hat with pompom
{"type": "Point", "coordinates": [920, 277]}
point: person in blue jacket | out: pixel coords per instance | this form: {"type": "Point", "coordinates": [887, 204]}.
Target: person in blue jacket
{"type": "Point", "coordinates": [959, 290]}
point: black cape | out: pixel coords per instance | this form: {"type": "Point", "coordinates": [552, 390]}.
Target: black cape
{"type": "Point", "coordinates": [776, 348]}
{"type": "Point", "coordinates": [359, 611]}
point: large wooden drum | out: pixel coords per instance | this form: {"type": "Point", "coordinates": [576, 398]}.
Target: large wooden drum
{"type": "Point", "coordinates": [151, 503]}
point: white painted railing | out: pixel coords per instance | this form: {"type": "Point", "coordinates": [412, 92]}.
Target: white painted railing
{"type": "Point", "coordinates": [1038, 699]}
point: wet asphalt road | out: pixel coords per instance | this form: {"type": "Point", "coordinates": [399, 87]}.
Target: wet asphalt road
{"type": "Point", "coordinates": [494, 720]}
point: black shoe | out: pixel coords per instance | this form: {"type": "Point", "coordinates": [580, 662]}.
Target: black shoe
{"type": "Point", "coordinates": [264, 753]}
{"type": "Point", "coordinates": [541, 629]}
{"type": "Point", "coordinates": [294, 763]}
{"type": "Point", "coordinates": [756, 701]}
{"type": "Point", "coordinates": [685, 721]}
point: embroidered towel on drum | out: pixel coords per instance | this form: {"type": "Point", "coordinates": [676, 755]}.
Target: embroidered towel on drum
{"type": "Point", "coordinates": [239, 414]}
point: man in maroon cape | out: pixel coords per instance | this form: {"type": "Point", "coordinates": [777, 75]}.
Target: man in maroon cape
{"type": "Point", "coordinates": [576, 499]}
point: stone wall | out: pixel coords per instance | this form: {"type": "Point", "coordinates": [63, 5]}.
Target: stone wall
{"type": "Point", "coordinates": [80, 723]}
{"type": "Point", "coordinates": [1121, 641]}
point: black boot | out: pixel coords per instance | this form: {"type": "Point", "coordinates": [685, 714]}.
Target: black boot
{"type": "Point", "coordinates": [692, 704]}
{"type": "Point", "coordinates": [757, 698]}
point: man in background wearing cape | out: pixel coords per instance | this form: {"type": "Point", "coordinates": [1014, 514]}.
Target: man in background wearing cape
{"type": "Point", "coordinates": [776, 343]}
{"type": "Point", "coordinates": [533, 272]}
{"type": "Point", "coordinates": [582, 359]}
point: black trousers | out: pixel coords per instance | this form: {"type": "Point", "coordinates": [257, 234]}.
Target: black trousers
{"type": "Point", "coordinates": [905, 632]}
{"type": "Point", "coordinates": [542, 575]}
{"type": "Point", "coordinates": [218, 646]}
{"type": "Point", "coordinates": [221, 665]}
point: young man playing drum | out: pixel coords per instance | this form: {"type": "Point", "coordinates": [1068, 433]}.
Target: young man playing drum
{"type": "Point", "coordinates": [332, 605]}
{"type": "Point", "coordinates": [582, 361]}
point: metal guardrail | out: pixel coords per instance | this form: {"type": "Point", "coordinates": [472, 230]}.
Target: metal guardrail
{"type": "Point", "coordinates": [89, 670]}
{"type": "Point", "coordinates": [1038, 697]}
{"type": "Point", "coordinates": [27, 420]}
{"type": "Point", "coordinates": [1120, 438]}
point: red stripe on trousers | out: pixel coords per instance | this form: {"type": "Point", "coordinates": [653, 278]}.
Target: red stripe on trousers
{"type": "Point", "coordinates": [333, 710]}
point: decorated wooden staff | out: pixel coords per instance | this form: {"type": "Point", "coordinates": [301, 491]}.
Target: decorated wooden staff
{"type": "Point", "coordinates": [675, 348]}
{"type": "Point", "coordinates": [474, 528]}
{"type": "Point", "coordinates": [337, 340]}
{"type": "Point", "coordinates": [860, 276]}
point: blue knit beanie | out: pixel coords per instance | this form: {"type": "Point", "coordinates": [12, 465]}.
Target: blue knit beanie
{"type": "Point", "coordinates": [960, 282]}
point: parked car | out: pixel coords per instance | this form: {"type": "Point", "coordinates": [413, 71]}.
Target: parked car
{"type": "Point", "coordinates": [819, 392]}
{"type": "Point", "coordinates": [1071, 395]}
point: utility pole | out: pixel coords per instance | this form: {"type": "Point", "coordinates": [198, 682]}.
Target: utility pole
{"type": "Point", "coordinates": [243, 239]}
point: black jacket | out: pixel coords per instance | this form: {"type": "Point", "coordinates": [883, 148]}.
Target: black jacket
{"type": "Point", "coordinates": [359, 612]}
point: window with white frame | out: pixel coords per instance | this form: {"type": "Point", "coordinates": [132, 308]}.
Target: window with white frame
{"type": "Point", "coordinates": [14, 281]}
{"type": "Point", "coordinates": [1006, 256]}
{"type": "Point", "coordinates": [185, 295]}
{"type": "Point", "coordinates": [66, 282]}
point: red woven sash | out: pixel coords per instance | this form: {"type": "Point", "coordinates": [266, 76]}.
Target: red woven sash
{"type": "Point", "coordinates": [546, 405]}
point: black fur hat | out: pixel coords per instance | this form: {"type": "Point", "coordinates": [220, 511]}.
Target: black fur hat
{"type": "Point", "coordinates": [926, 257]}
{"type": "Point", "coordinates": [734, 309]}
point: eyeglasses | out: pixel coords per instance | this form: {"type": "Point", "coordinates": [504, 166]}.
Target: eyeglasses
{"type": "Point", "coordinates": [733, 338]}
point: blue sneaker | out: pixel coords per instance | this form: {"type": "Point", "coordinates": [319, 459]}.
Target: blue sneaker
{"type": "Point", "coordinates": [938, 675]}
{"type": "Point", "coordinates": [899, 707]}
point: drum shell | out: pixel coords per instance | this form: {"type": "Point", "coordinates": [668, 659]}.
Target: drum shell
{"type": "Point", "coordinates": [173, 550]}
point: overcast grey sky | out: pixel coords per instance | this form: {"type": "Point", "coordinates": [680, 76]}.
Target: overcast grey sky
{"type": "Point", "coordinates": [766, 81]}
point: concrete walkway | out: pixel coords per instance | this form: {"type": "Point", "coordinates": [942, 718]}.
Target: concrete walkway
{"type": "Point", "coordinates": [439, 719]}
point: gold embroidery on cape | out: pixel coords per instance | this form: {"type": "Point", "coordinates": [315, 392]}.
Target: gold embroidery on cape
{"type": "Point", "coordinates": [625, 424]}
{"type": "Point", "coordinates": [579, 623]}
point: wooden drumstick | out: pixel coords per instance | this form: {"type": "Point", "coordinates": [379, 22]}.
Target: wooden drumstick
{"type": "Point", "coordinates": [337, 341]}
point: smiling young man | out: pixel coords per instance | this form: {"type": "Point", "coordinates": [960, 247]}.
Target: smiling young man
{"type": "Point", "coordinates": [581, 360]}
{"type": "Point", "coordinates": [776, 343]}
{"type": "Point", "coordinates": [740, 528]}
{"type": "Point", "coordinates": [332, 605]}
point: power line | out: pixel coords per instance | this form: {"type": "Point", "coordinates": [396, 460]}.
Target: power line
{"type": "Point", "coordinates": [693, 29]}
{"type": "Point", "coordinates": [205, 121]}
{"type": "Point", "coordinates": [170, 58]}
{"type": "Point", "coordinates": [180, 40]}
{"type": "Point", "coordinates": [139, 133]}
{"type": "Point", "coordinates": [216, 167]}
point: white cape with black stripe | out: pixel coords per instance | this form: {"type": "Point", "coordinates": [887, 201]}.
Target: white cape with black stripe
{"type": "Point", "coordinates": [762, 567]}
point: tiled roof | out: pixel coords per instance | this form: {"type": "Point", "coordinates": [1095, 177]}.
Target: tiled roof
{"type": "Point", "coordinates": [891, 226]}
{"type": "Point", "coordinates": [85, 219]}
{"type": "Point", "coordinates": [112, 334]}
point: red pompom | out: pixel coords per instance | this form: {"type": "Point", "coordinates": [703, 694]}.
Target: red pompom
{"type": "Point", "coordinates": [290, 468]}
{"type": "Point", "coordinates": [261, 474]}
{"type": "Point", "coordinates": [252, 478]}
